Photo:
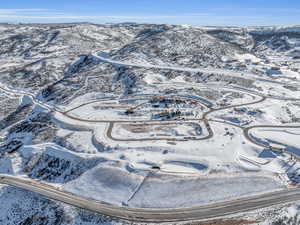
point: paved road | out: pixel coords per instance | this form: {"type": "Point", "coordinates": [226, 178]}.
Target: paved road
{"type": "Point", "coordinates": [204, 212]}
{"type": "Point", "coordinates": [104, 58]}
{"type": "Point", "coordinates": [262, 99]}
{"type": "Point", "coordinates": [250, 138]}
{"type": "Point", "coordinates": [179, 138]}
{"type": "Point", "coordinates": [204, 118]}
{"type": "Point", "coordinates": [251, 76]}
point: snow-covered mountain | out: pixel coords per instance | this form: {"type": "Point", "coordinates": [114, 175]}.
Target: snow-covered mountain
{"type": "Point", "coordinates": [49, 70]}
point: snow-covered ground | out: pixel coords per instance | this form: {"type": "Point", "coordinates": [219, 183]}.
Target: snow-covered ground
{"type": "Point", "coordinates": [80, 100]}
{"type": "Point", "coordinates": [121, 186]}
{"type": "Point", "coordinates": [175, 192]}
{"type": "Point", "coordinates": [159, 130]}
{"type": "Point", "coordinates": [287, 138]}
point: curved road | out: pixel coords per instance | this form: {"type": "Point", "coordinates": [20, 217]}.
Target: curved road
{"type": "Point", "coordinates": [204, 212]}
{"type": "Point", "coordinates": [251, 139]}
{"type": "Point", "coordinates": [184, 138]}
{"type": "Point", "coordinates": [105, 58]}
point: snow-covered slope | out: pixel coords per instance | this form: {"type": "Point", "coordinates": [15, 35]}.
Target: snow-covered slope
{"type": "Point", "coordinates": [112, 112]}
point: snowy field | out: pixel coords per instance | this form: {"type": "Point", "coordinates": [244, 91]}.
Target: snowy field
{"type": "Point", "coordinates": [287, 138]}
{"type": "Point", "coordinates": [159, 130]}
{"type": "Point", "coordinates": [154, 190]}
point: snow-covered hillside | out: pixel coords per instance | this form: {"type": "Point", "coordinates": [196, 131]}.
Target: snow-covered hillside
{"type": "Point", "coordinates": [147, 116]}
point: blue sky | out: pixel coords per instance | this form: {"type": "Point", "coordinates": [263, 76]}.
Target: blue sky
{"type": "Point", "coordinates": [193, 12]}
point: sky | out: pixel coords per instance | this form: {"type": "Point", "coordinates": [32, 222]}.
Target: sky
{"type": "Point", "coordinates": [192, 12]}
